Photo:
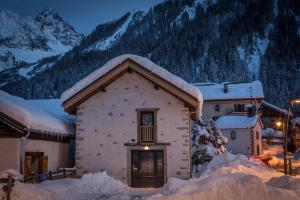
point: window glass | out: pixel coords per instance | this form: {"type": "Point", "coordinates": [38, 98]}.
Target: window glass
{"type": "Point", "coordinates": [147, 118]}
{"type": "Point", "coordinates": [233, 135]}
{"type": "Point", "coordinates": [257, 135]}
{"type": "Point", "coordinates": [217, 108]}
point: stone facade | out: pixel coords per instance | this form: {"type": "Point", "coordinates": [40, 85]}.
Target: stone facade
{"type": "Point", "coordinates": [108, 120]}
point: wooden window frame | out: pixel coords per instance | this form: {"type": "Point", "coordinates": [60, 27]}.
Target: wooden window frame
{"type": "Point", "coordinates": [139, 113]}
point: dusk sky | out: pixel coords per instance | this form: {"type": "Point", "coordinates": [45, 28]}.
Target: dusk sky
{"type": "Point", "coordinates": [84, 15]}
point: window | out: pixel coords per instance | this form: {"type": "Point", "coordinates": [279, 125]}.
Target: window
{"type": "Point", "coordinates": [257, 135]}
{"type": "Point", "coordinates": [239, 108]}
{"type": "Point", "coordinates": [217, 108]}
{"type": "Point", "coordinates": [233, 135]}
{"type": "Point", "coordinates": [146, 125]}
{"type": "Point", "coordinates": [147, 118]}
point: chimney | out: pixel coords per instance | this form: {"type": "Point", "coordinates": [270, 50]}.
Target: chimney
{"type": "Point", "coordinates": [225, 87]}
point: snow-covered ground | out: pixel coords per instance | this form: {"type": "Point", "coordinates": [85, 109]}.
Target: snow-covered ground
{"type": "Point", "coordinates": [227, 176]}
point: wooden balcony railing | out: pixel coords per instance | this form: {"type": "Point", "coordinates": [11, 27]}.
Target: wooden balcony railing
{"type": "Point", "coordinates": [147, 134]}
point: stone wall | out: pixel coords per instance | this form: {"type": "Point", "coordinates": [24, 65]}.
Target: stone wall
{"type": "Point", "coordinates": [108, 120]}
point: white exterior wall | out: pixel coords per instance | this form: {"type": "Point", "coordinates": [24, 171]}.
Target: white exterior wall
{"type": "Point", "coordinates": [242, 142]}
{"type": "Point", "coordinates": [9, 153]}
{"type": "Point", "coordinates": [257, 142]}
{"type": "Point", "coordinates": [108, 119]}
{"type": "Point", "coordinates": [208, 110]}
{"type": "Point", "coordinates": [57, 152]}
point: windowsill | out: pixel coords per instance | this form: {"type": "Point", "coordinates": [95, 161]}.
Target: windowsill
{"type": "Point", "coordinates": [146, 144]}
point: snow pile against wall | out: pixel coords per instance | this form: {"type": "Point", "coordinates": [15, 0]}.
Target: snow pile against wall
{"type": "Point", "coordinates": [207, 142]}
{"type": "Point", "coordinates": [147, 64]}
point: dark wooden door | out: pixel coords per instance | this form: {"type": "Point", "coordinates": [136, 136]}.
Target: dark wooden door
{"type": "Point", "coordinates": [147, 168]}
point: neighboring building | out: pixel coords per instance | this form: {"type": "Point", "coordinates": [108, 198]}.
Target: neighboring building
{"type": "Point", "coordinates": [272, 114]}
{"type": "Point", "coordinates": [243, 133]}
{"type": "Point", "coordinates": [296, 133]}
{"type": "Point", "coordinates": [34, 135]}
{"type": "Point", "coordinates": [230, 98]}
{"type": "Point", "coordinates": [134, 122]}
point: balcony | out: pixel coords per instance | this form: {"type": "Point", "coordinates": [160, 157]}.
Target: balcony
{"type": "Point", "coordinates": [147, 134]}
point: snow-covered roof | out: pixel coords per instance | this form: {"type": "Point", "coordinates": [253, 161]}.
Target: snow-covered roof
{"type": "Point", "coordinates": [236, 122]}
{"type": "Point", "coordinates": [239, 90]}
{"type": "Point", "coordinates": [40, 115]}
{"type": "Point", "coordinates": [269, 105]}
{"type": "Point", "coordinates": [147, 64]}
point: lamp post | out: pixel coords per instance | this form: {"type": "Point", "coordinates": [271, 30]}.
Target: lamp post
{"type": "Point", "coordinates": [291, 103]}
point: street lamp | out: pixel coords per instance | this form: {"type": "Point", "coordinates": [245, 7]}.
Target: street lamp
{"type": "Point", "coordinates": [291, 103]}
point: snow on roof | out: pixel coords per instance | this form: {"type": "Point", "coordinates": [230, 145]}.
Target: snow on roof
{"type": "Point", "coordinates": [147, 64]}
{"type": "Point", "coordinates": [269, 105]}
{"type": "Point", "coordinates": [235, 122]}
{"type": "Point", "coordinates": [239, 90]}
{"type": "Point", "coordinates": [40, 115]}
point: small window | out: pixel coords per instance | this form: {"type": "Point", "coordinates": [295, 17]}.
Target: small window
{"type": "Point", "coordinates": [233, 135]}
{"type": "Point", "coordinates": [239, 107]}
{"type": "Point", "coordinates": [257, 135]}
{"type": "Point", "coordinates": [217, 108]}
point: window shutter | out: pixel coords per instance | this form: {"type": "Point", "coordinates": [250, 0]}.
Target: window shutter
{"type": "Point", "coordinates": [45, 164]}
{"type": "Point", "coordinates": [27, 166]}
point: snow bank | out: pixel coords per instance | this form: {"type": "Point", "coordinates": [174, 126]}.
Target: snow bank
{"type": "Point", "coordinates": [99, 183]}
{"type": "Point", "coordinates": [34, 117]}
{"type": "Point", "coordinates": [11, 172]}
{"type": "Point", "coordinates": [243, 90]}
{"type": "Point", "coordinates": [147, 64]}
{"type": "Point", "coordinates": [29, 192]}
{"type": "Point", "coordinates": [227, 176]}
{"type": "Point", "coordinates": [229, 186]}
{"type": "Point", "coordinates": [233, 177]}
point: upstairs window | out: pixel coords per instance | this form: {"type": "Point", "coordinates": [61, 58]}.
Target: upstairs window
{"type": "Point", "coordinates": [239, 108]}
{"type": "Point", "coordinates": [217, 108]}
{"type": "Point", "coordinates": [233, 135]}
{"type": "Point", "coordinates": [147, 125]}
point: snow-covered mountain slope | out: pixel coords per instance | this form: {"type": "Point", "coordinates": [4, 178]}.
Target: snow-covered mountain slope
{"type": "Point", "coordinates": [108, 41]}
{"type": "Point", "coordinates": [199, 41]}
{"type": "Point", "coordinates": [28, 39]}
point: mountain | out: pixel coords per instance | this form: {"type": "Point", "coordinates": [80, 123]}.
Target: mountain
{"type": "Point", "coordinates": [201, 40]}
{"type": "Point", "coordinates": [25, 40]}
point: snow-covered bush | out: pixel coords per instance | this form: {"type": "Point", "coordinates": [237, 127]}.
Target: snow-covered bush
{"type": "Point", "coordinates": [207, 142]}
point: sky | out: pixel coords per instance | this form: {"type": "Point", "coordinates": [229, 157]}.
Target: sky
{"type": "Point", "coordinates": [83, 15]}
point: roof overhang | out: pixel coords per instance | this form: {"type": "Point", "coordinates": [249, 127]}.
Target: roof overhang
{"type": "Point", "coordinates": [127, 66]}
